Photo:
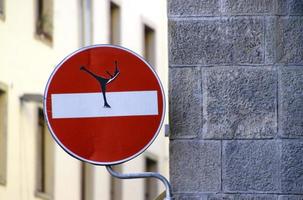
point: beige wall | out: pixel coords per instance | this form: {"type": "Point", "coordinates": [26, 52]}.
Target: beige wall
{"type": "Point", "coordinates": [25, 65]}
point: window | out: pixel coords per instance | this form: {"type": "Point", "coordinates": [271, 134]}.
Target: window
{"type": "Point", "coordinates": [87, 182]}
{"type": "Point", "coordinates": [151, 187]}
{"type": "Point", "coordinates": [2, 10]}
{"type": "Point", "coordinates": [149, 45]}
{"type": "Point", "coordinates": [44, 20]}
{"type": "Point", "coordinates": [45, 159]}
{"type": "Point", "coordinates": [114, 24]}
{"type": "Point", "coordinates": [3, 134]}
{"type": "Point", "coordinates": [85, 22]}
{"type": "Point", "coordinates": [116, 185]}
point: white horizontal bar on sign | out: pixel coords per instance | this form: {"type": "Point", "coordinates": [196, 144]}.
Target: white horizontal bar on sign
{"type": "Point", "coordinates": [84, 105]}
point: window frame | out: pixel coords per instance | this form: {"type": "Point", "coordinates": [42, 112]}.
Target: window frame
{"type": "Point", "coordinates": [114, 6]}
{"type": "Point", "coordinates": [153, 158]}
{"type": "Point", "coordinates": [2, 14]}
{"type": "Point", "coordinates": [40, 159]}
{"type": "Point", "coordinates": [40, 34]}
{"type": "Point", "coordinates": [87, 182]}
{"type": "Point", "coordinates": [116, 185]}
{"type": "Point", "coordinates": [151, 29]}
{"type": "Point", "coordinates": [4, 91]}
{"type": "Point", "coordinates": [85, 18]}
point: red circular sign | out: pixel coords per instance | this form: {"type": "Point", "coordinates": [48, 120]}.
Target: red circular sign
{"type": "Point", "coordinates": [104, 104]}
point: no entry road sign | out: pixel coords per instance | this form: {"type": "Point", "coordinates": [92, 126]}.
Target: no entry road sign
{"type": "Point", "coordinates": [104, 104]}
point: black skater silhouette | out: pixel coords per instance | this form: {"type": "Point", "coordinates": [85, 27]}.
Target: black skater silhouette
{"type": "Point", "coordinates": [103, 81]}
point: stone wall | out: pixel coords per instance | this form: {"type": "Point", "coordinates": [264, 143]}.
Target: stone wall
{"type": "Point", "coordinates": [236, 99]}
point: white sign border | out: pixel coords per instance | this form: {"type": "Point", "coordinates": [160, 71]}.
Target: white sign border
{"type": "Point", "coordinates": [72, 153]}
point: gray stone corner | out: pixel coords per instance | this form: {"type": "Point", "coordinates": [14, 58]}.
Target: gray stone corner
{"type": "Point", "coordinates": [185, 101]}
{"type": "Point", "coordinates": [185, 8]}
{"type": "Point", "coordinates": [195, 166]}
{"type": "Point", "coordinates": [187, 196]}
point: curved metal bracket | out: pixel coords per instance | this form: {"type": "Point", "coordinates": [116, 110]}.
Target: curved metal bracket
{"type": "Point", "coordinates": [143, 175]}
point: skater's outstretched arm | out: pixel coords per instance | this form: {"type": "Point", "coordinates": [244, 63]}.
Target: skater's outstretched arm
{"type": "Point", "coordinates": [89, 72]}
{"type": "Point", "coordinates": [111, 76]}
{"type": "Point", "coordinates": [117, 72]}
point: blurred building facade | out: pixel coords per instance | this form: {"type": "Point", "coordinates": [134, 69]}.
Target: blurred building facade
{"type": "Point", "coordinates": [35, 35]}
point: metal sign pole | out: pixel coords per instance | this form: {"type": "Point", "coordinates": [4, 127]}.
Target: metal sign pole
{"type": "Point", "coordinates": [143, 175]}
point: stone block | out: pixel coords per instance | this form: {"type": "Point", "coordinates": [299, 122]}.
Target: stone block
{"type": "Point", "coordinates": [195, 166]}
{"type": "Point", "coordinates": [291, 102]}
{"type": "Point", "coordinates": [198, 42]}
{"type": "Point", "coordinates": [215, 41]}
{"type": "Point", "coordinates": [292, 167]}
{"type": "Point", "coordinates": [248, 40]}
{"type": "Point", "coordinates": [282, 7]}
{"type": "Point", "coordinates": [290, 7]}
{"type": "Point", "coordinates": [193, 8]}
{"type": "Point", "coordinates": [250, 166]}
{"type": "Point", "coordinates": [240, 197]}
{"type": "Point", "coordinates": [256, 197]}
{"type": "Point", "coordinates": [270, 40]}
{"type": "Point", "coordinates": [291, 197]}
{"type": "Point", "coordinates": [283, 40]}
{"type": "Point", "coordinates": [290, 40]}
{"type": "Point", "coordinates": [217, 197]}
{"type": "Point", "coordinates": [239, 102]}
{"type": "Point", "coordinates": [187, 197]}
{"type": "Point", "coordinates": [248, 7]}
{"type": "Point", "coordinates": [295, 7]}
{"type": "Point", "coordinates": [185, 100]}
